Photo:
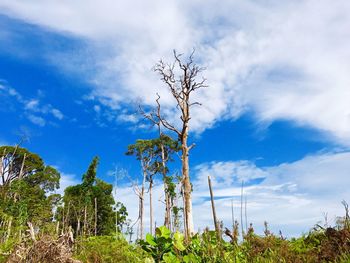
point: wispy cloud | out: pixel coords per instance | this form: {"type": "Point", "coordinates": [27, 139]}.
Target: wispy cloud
{"type": "Point", "coordinates": [57, 114]}
{"type": "Point", "coordinates": [36, 120]}
{"type": "Point", "coordinates": [34, 109]}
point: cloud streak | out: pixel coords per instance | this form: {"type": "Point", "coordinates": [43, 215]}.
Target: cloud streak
{"type": "Point", "coordinates": [34, 110]}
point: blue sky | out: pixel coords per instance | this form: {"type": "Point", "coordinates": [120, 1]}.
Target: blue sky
{"type": "Point", "coordinates": [276, 113]}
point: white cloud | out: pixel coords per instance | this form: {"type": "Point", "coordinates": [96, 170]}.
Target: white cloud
{"type": "Point", "coordinates": [32, 105]}
{"type": "Point", "coordinates": [285, 60]}
{"type": "Point", "coordinates": [57, 114]}
{"type": "Point", "coordinates": [292, 198]}
{"type": "Point", "coordinates": [65, 181]}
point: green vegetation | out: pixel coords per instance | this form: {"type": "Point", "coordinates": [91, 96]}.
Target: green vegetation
{"type": "Point", "coordinates": [88, 207]}
{"type": "Point", "coordinates": [86, 225]}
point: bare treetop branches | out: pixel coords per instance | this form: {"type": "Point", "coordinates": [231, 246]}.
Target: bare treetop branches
{"type": "Point", "coordinates": [183, 85]}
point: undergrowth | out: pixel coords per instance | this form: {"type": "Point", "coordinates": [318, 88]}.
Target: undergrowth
{"type": "Point", "coordinates": [321, 244]}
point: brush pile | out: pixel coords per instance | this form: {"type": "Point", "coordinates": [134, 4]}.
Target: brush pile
{"type": "Point", "coordinates": [45, 250]}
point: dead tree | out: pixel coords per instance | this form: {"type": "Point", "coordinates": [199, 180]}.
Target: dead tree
{"type": "Point", "coordinates": [181, 88]}
{"type": "Point", "coordinates": [141, 195]}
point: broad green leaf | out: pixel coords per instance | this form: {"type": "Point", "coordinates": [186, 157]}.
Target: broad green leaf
{"type": "Point", "coordinates": [178, 241]}
{"type": "Point", "coordinates": [162, 231]}
{"type": "Point", "coordinates": [150, 240]}
{"type": "Point", "coordinates": [170, 258]}
{"type": "Point", "coordinates": [190, 258]}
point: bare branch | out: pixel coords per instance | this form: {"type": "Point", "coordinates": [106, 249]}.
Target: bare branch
{"type": "Point", "coordinates": [195, 103]}
{"type": "Point", "coordinates": [191, 146]}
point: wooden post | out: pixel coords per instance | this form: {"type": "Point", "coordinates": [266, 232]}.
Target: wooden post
{"type": "Point", "coordinates": [216, 223]}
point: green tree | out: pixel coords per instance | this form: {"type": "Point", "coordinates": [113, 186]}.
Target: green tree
{"type": "Point", "coordinates": [26, 187]}
{"type": "Point", "coordinates": [88, 207]}
{"type": "Point", "coordinates": [153, 155]}
{"type": "Point", "coordinates": [144, 151]}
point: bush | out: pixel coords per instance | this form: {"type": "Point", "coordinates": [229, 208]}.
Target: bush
{"type": "Point", "coordinates": [108, 249]}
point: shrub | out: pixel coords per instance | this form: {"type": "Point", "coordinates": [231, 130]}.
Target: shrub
{"type": "Point", "coordinates": [108, 249]}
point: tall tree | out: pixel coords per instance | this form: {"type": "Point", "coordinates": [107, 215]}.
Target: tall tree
{"type": "Point", "coordinates": [181, 88]}
{"type": "Point", "coordinates": [18, 163]}
{"type": "Point", "coordinates": [166, 148]}
{"type": "Point", "coordinates": [88, 207]}
{"type": "Point", "coordinates": [144, 151]}
{"type": "Point", "coordinates": [26, 184]}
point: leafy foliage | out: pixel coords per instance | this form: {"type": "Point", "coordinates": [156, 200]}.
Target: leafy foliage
{"type": "Point", "coordinates": [25, 191]}
{"type": "Point", "coordinates": [108, 249]}
{"type": "Point", "coordinates": [89, 205]}
{"type": "Point", "coordinates": [327, 245]}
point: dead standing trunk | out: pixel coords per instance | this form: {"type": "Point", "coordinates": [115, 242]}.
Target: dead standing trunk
{"type": "Point", "coordinates": [78, 227]}
{"type": "Point", "coordinates": [181, 88]}
{"type": "Point", "coordinates": [167, 217]}
{"type": "Point", "coordinates": [150, 208]}
{"type": "Point", "coordinates": [85, 220]}
{"type": "Point", "coordinates": [95, 216]}
{"type": "Point", "coordinates": [187, 188]}
{"type": "Point", "coordinates": [141, 200]}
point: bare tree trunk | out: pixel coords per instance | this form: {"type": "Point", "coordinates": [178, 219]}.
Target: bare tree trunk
{"type": "Point", "coordinates": [141, 216]}
{"type": "Point", "coordinates": [2, 172]}
{"type": "Point", "coordinates": [142, 195]}
{"type": "Point", "coordinates": [63, 220]}
{"type": "Point", "coordinates": [85, 221]}
{"type": "Point", "coordinates": [20, 175]}
{"type": "Point", "coordinates": [58, 228]}
{"type": "Point", "coordinates": [187, 188]}
{"type": "Point", "coordinates": [95, 216]}
{"type": "Point", "coordinates": [22, 166]}
{"type": "Point", "coordinates": [9, 226]}
{"type": "Point", "coordinates": [31, 231]}
{"type": "Point", "coordinates": [183, 212]}
{"type": "Point", "coordinates": [167, 216]}
{"type": "Point", "coordinates": [150, 208]}
{"type": "Point", "coordinates": [78, 227]}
